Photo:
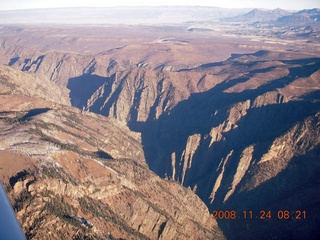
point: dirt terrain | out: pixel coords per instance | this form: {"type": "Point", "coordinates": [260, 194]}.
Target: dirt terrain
{"type": "Point", "coordinates": [78, 175]}
{"type": "Point", "coordinates": [134, 121]}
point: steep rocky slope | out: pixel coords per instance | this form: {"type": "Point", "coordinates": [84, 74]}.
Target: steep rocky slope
{"type": "Point", "coordinates": [242, 132]}
{"type": "Point", "coordinates": [16, 82]}
{"type": "Point", "coordinates": [77, 175]}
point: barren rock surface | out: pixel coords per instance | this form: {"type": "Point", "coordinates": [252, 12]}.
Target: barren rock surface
{"type": "Point", "coordinates": [228, 110]}
{"type": "Point", "coordinates": [60, 165]}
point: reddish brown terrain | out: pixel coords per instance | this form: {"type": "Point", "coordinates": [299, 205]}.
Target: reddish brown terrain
{"type": "Point", "coordinates": [143, 130]}
{"type": "Point", "coordinates": [60, 164]}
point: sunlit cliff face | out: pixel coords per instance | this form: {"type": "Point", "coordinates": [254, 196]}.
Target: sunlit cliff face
{"type": "Point", "coordinates": [225, 117]}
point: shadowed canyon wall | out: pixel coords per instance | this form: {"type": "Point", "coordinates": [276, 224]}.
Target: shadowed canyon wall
{"type": "Point", "coordinates": [242, 133]}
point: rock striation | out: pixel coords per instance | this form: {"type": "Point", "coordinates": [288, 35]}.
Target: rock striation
{"type": "Point", "coordinates": [74, 174]}
{"type": "Point", "coordinates": [241, 132]}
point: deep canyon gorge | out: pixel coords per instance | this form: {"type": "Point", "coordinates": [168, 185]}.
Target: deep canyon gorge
{"type": "Point", "coordinates": [146, 130]}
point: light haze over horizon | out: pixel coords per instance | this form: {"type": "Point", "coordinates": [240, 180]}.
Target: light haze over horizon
{"type": "Point", "coordinates": [269, 4]}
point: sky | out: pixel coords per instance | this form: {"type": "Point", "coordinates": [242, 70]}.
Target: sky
{"type": "Point", "coordinates": [268, 4]}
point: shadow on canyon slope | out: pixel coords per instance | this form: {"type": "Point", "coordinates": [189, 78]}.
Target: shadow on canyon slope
{"type": "Point", "coordinates": [34, 112]}
{"type": "Point", "coordinates": [260, 126]}
{"type": "Point", "coordinates": [84, 86]}
{"type": "Point", "coordinates": [202, 111]}
{"type": "Point", "coordinates": [296, 189]}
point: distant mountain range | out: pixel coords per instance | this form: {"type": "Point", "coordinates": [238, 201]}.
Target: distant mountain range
{"type": "Point", "coordinates": [301, 17]}
{"type": "Point", "coordinates": [278, 16]}
{"type": "Point", "coordinates": [111, 132]}
{"type": "Point", "coordinates": [259, 15]}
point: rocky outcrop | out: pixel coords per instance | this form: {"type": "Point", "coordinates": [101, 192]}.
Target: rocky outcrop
{"type": "Point", "coordinates": [242, 168]}
{"type": "Point", "coordinates": [230, 130]}
{"type": "Point", "coordinates": [282, 179]}
{"type": "Point", "coordinates": [193, 143]}
{"type": "Point", "coordinates": [17, 82]}
{"type": "Point", "coordinates": [81, 175]}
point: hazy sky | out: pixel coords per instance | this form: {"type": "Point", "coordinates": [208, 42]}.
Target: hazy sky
{"type": "Point", "coordinates": [271, 4]}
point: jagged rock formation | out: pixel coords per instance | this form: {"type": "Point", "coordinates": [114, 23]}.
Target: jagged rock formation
{"type": "Point", "coordinates": [73, 174]}
{"type": "Point", "coordinates": [242, 132]}
{"type": "Point", "coordinates": [218, 127]}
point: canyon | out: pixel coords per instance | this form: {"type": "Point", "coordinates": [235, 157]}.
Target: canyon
{"type": "Point", "coordinates": [153, 127]}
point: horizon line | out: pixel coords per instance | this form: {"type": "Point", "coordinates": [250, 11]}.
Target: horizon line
{"type": "Point", "coordinates": [148, 6]}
